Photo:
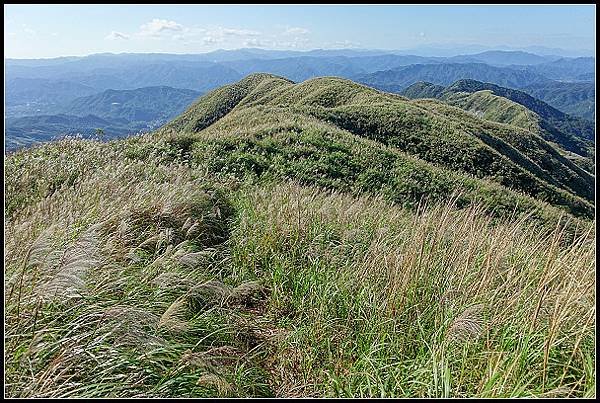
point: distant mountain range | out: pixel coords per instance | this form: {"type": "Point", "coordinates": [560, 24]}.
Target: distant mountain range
{"type": "Point", "coordinates": [397, 79]}
{"type": "Point", "coordinates": [504, 58]}
{"type": "Point", "coordinates": [98, 85]}
{"type": "Point", "coordinates": [116, 112]}
{"type": "Point", "coordinates": [30, 96]}
{"type": "Point", "coordinates": [142, 104]}
{"type": "Point", "coordinates": [575, 96]}
{"type": "Point", "coordinates": [578, 69]}
{"type": "Point", "coordinates": [28, 130]}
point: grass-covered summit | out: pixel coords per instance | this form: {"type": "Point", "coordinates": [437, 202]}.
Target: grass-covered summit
{"type": "Point", "coordinates": [320, 239]}
{"type": "Point", "coordinates": [272, 125]}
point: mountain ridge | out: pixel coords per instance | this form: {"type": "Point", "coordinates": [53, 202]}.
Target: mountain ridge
{"type": "Point", "coordinates": [359, 109]}
{"type": "Point", "coordinates": [569, 132]}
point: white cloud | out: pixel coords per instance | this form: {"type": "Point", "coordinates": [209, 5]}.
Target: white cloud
{"type": "Point", "coordinates": [217, 34]}
{"type": "Point", "coordinates": [346, 44]}
{"type": "Point", "coordinates": [253, 42]}
{"type": "Point", "coordinates": [159, 28]}
{"type": "Point", "coordinates": [292, 37]}
{"type": "Point", "coordinates": [296, 31]}
{"type": "Point", "coordinates": [167, 29]}
{"type": "Point", "coordinates": [209, 40]}
{"type": "Point", "coordinates": [193, 34]}
{"type": "Point", "coordinates": [156, 27]}
{"type": "Point", "coordinates": [295, 43]}
{"type": "Point", "coordinates": [114, 35]}
{"type": "Point", "coordinates": [238, 32]}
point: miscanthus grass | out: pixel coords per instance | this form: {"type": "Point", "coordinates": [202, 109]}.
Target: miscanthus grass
{"type": "Point", "coordinates": [385, 302]}
{"type": "Point", "coordinates": [131, 271]}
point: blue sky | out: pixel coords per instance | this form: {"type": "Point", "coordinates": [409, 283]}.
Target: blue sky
{"type": "Point", "coordinates": [33, 31]}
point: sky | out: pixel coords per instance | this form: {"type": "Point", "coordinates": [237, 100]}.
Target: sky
{"type": "Point", "coordinates": [42, 31]}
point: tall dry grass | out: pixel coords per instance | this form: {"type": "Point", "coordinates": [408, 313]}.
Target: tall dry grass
{"type": "Point", "coordinates": [120, 282]}
{"type": "Point", "coordinates": [438, 303]}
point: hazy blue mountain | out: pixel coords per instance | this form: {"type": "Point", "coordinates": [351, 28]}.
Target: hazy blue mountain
{"type": "Point", "coordinates": [58, 67]}
{"type": "Point", "coordinates": [28, 130]}
{"type": "Point", "coordinates": [589, 76]}
{"type": "Point", "coordinates": [207, 71]}
{"type": "Point", "coordinates": [129, 72]}
{"type": "Point", "coordinates": [41, 90]}
{"type": "Point", "coordinates": [504, 58]}
{"type": "Point", "coordinates": [117, 112]}
{"type": "Point", "coordinates": [457, 49]}
{"type": "Point", "coordinates": [30, 96]}
{"type": "Point", "coordinates": [297, 68]}
{"type": "Point", "coordinates": [197, 76]}
{"type": "Point", "coordinates": [221, 55]}
{"type": "Point", "coordinates": [397, 79]}
{"type": "Point", "coordinates": [371, 64]}
{"type": "Point", "coordinates": [565, 68]}
{"type": "Point", "coordinates": [102, 80]}
{"type": "Point", "coordinates": [95, 61]}
{"type": "Point", "coordinates": [574, 98]}
{"type": "Point", "coordinates": [302, 68]}
{"type": "Point", "coordinates": [347, 52]}
{"type": "Point", "coordinates": [142, 104]}
{"type": "Point", "coordinates": [547, 51]}
{"type": "Point", "coordinates": [25, 96]}
{"type": "Point", "coordinates": [41, 62]}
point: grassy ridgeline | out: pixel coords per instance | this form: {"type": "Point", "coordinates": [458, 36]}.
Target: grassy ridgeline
{"type": "Point", "coordinates": [434, 133]}
{"type": "Point", "coordinates": [135, 268]}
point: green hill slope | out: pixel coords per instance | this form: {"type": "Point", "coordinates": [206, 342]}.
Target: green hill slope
{"type": "Point", "coordinates": [320, 239]}
{"type": "Point", "coordinates": [512, 157]}
{"type": "Point", "coordinates": [516, 108]}
{"type": "Point", "coordinates": [570, 125]}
